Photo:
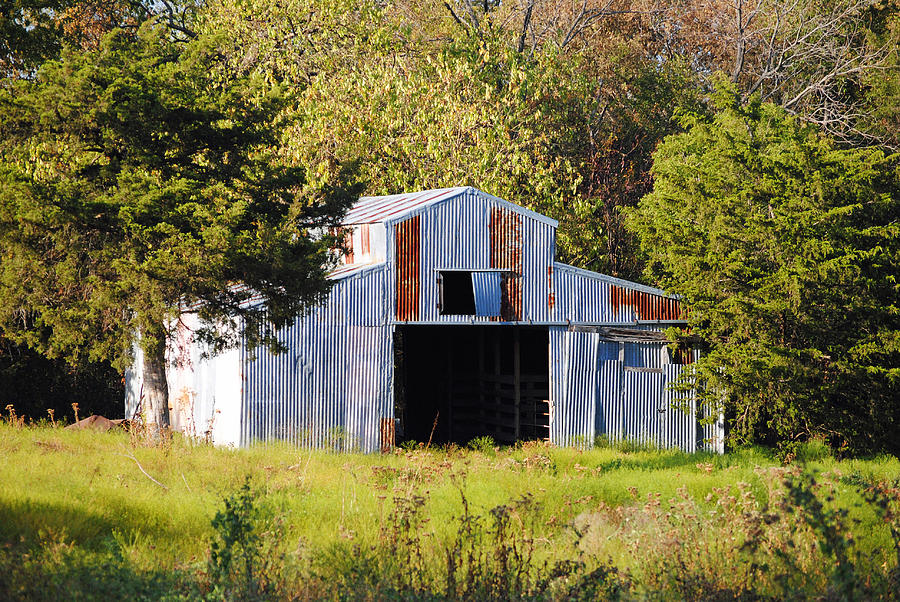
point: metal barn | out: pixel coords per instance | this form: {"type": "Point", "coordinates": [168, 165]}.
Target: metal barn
{"type": "Point", "coordinates": [449, 319]}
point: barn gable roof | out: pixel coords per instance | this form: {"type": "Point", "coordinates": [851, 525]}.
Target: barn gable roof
{"type": "Point", "coordinates": [395, 207]}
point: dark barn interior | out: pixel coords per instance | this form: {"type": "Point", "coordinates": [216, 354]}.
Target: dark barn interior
{"type": "Point", "coordinates": [455, 383]}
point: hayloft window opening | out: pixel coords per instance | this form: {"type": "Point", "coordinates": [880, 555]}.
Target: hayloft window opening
{"type": "Point", "coordinates": [470, 293]}
{"type": "Point", "coordinates": [457, 294]}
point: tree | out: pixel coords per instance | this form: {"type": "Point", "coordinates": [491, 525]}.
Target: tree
{"type": "Point", "coordinates": [417, 100]}
{"type": "Point", "coordinates": [142, 177]}
{"type": "Point", "coordinates": [785, 248]}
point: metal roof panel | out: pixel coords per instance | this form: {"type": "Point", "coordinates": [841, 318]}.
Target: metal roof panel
{"type": "Point", "coordinates": [375, 209]}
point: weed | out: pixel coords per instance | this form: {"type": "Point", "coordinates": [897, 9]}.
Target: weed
{"type": "Point", "coordinates": [484, 445]}
{"type": "Point", "coordinates": [814, 450]}
{"type": "Point", "coordinates": [12, 419]}
{"type": "Point", "coordinates": [408, 445]}
{"type": "Point", "coordinates": [243, 560]}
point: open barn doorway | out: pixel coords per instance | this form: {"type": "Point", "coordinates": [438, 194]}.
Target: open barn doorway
{"type": "Point", "coordinates": [455, 383]}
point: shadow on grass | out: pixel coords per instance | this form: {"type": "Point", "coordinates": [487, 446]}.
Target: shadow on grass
{"type": "Point", "coordinates": [647, 460]}
{"type": "Point", "coordinates": [28, 522]}
{"type": "Point", "coordinates": [54, 570]}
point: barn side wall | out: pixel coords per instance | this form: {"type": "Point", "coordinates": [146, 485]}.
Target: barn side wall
{"type": "Point", "coordinates": [621, 391]}
{"type": "Point", "coordinates": [332, 387]}
{"type": "Point", "coordinates": [588, 297]}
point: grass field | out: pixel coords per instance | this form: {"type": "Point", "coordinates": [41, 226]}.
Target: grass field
{"type": "Point", "coordinates": [87, 515]}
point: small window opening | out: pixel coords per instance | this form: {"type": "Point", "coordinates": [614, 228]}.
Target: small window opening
{"type": "Point", "coordinates": [475, 293]}
{"type": "Point", "coordinates": [457, 294]}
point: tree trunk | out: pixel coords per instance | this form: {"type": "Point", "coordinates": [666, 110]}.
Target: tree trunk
{"type": "Point", "coordinates": [156, 390]}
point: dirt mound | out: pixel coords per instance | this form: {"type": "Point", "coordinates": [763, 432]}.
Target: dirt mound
{"type": "Point", "coordinates": [97, 423]}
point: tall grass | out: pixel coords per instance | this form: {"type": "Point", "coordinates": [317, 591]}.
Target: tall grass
{"type": "Point", "coordinates": [99, 515]}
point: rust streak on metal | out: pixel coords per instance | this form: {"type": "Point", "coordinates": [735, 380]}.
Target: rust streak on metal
{"type": "Point", "coordinates": [506, 253]}
{"type": "Point", "coordinates": [551, 296]}
{"type": "Point", "coordinates": [365, 247]}
{"type": "Point", "coordinates": [348, 245]}
{"type": "Point", "coordinates": [645, 305]}
{"type": "Point", "coordinates": [387, 435]}
{"type": "Point", "coordinates": [408, 269]}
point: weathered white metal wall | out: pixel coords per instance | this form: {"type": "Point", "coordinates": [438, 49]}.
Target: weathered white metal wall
{"type": "Point", "coordinates": [204, 391]}
{"type": "Point", "coordinates": [332, 388]}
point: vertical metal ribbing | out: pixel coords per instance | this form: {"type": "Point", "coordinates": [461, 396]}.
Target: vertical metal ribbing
{"type": "Point", "coordinates": [325, 391]}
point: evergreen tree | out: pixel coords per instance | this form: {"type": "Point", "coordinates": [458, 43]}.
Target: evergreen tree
{"type": "Point", "coordinates": [140, 178]}
{"type": "Point", "coordinates": [785, 248]}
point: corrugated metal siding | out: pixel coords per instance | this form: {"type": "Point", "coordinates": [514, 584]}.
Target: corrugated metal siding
{"type": "Point", "coordinates": [557, 371]}
{"type": "Point", "coordinates": [505, 232]}
{"type": "Point", "coordinates": [608, 419]}
{"type": "Point", "coordinates": [681, 417]}
{"type": "Point", "coordinates": [380, 208]}
{"type": "Point", "coordinates": [575, 408]}
{"type": "Point", "coordinates": [642, 395]}
{"type": "Point", "coordinates": [595, 393]}
{"type": "Point", "coordinates": [459, 235]}
{"type": "Point", "coordinates": [644, 305]}
{"type": "Point", "coordinates": [332, 388]}
{"type": "Point", "coordinates": [364, 244]}
{"type": "Point", "coordinates": [487, 288]}
{"type": "Point", "coordinates": [580, 296]}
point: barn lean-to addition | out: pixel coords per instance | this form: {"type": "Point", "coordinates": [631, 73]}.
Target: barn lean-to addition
{"type": "Point", "coordinates": [449, 319]}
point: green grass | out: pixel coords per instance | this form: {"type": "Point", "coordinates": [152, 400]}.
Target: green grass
{"type": "Point", "coordinates": [75, 502]}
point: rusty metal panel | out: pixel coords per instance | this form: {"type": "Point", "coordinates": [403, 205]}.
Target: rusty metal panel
{"type": "Point", "coordinates": [584, 296]}
{"type": "Point", "coordinates": [388, 435]}
{"type": "Point", "coordinates": [408, 269]}
{"type": "Point", "coordinates": [643, 305]}
{"type": "Point", "coordinates": [365, 242]}
{"type": "Point", "coordinates": [506, 252]}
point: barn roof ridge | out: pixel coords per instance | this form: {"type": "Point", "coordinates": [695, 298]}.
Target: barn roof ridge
{"type": "Point", "coordinates": [394, 207]}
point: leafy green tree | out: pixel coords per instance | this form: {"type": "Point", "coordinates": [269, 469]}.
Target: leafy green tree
{"type": "Point", "coordinates": [419, 101]}
{"type": "Point", "coordinates": [140, 178]}
{"type": "Point", "coordinates": [785, 248]}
